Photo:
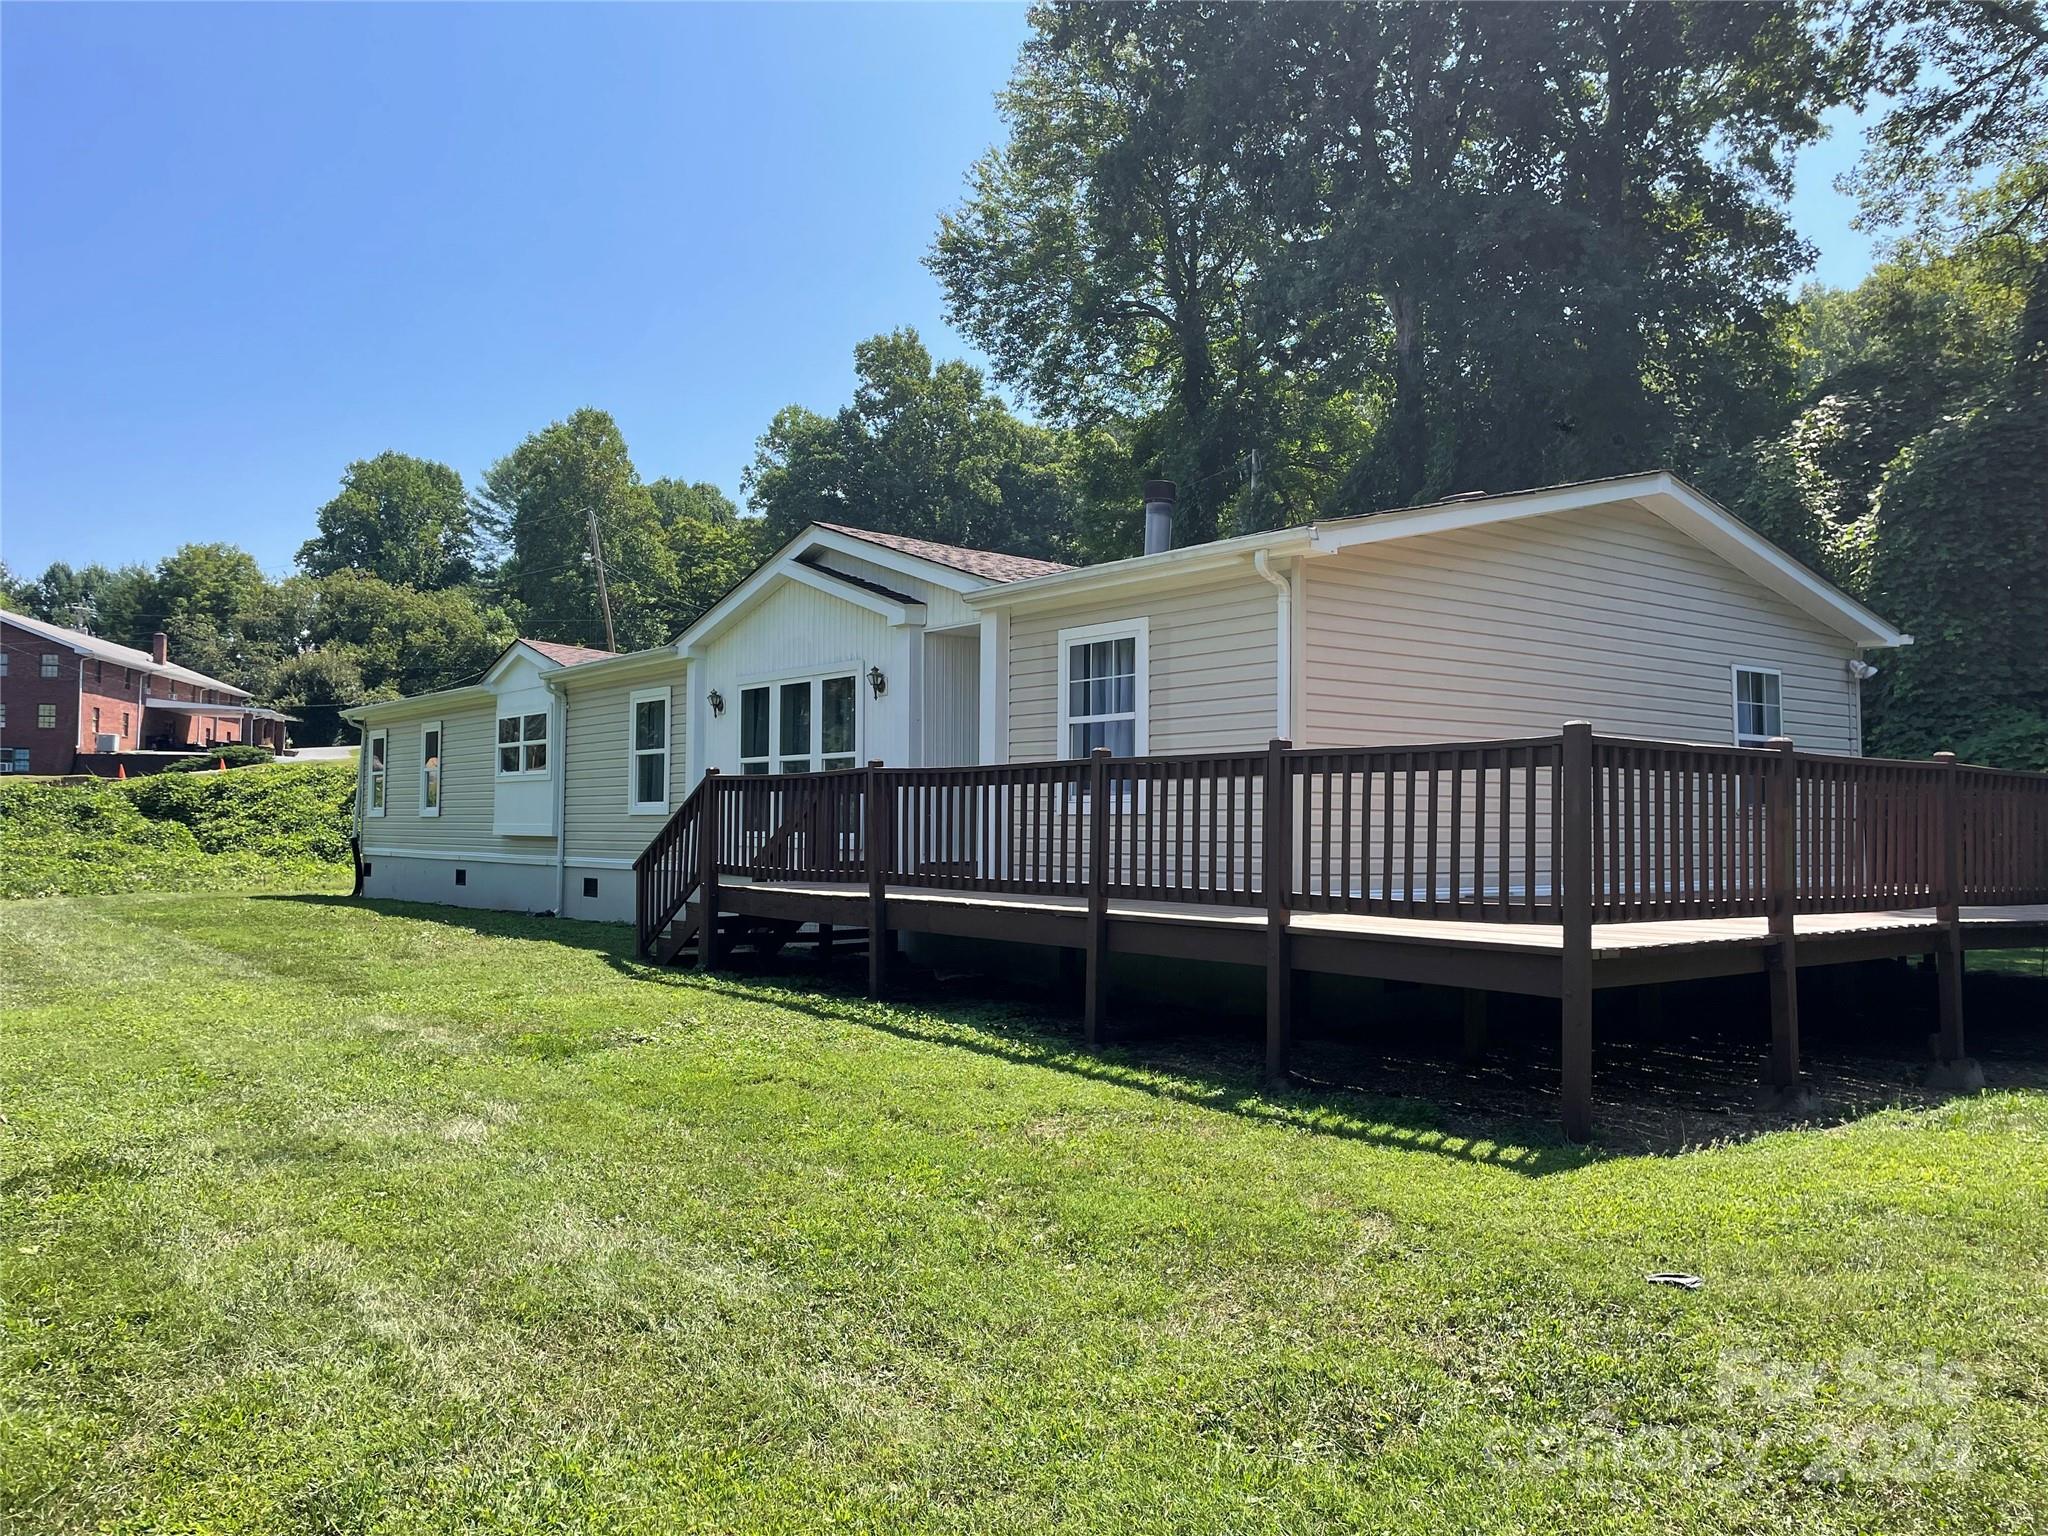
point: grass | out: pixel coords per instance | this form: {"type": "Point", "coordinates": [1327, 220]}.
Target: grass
{"type": "Point", "coordinates": [331, 1217]}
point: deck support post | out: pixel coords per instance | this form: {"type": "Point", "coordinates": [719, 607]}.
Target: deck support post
{"type": "Point", "coordinates": [1952, 1067]}
{"type": "Point", "coordinates": [708, 821]}
{"type": "Point", "coordinates": [879, 835]}
{"type": "Point", "coordinates": [1575, 986]}
{"type": "Point", "coordinates": [1095, 945]}
{"type": "Point", "coordinates": [822, 950]}
{"type": "Point", "coordinates": [1473, 1050]}
{"type": "Point", "coordinates": [1277, 877]}
{"type": "Point", "coordinates": [1781, 873]}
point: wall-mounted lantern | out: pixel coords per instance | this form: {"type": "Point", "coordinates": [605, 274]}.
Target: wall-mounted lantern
{"type": "Point", "coordinates": [717, 702]}
{"type": "Point", "coordinates": [877, 682]}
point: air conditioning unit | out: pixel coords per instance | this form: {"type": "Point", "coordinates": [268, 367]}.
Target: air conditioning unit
{"type": "Point", "coordinates": [107, 741]}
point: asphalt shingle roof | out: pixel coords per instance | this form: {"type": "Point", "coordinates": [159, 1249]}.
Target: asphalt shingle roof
{"type": "Point", "coordinates": [989, 564]}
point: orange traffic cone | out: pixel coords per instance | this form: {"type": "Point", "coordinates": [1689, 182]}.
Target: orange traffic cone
{"type": "Point", "coordinates": [220, 765]}
{"type": "Point", "coordinates": [120, 770]}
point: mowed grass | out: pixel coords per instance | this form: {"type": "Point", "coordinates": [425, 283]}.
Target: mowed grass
{"type": "Point", "coordinates": [316, 1216]}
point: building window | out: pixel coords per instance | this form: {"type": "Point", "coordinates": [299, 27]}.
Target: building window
{"type": "Point", "coordinates": [124, 722]}
{"type": "Point", "coordinates": [816, 724]}
{"type": "Point", "coordinates": [3, 714]}
{"type": "Point", "coordinates": [375, 758]}
{"type": "Point", "coordinates": [49, 663]}
{"type": "Point", "coordinates": [523, 743]}
{"type": "Point", "coordinates": [647, 753]}
{"type": "Point", "coordinates": [590, 885]}
{"type": "Point", "coordinates": [3, 663]}
{"type": "Point", "coordinates": [46, 717]}
{"type": "Point", "coordinates": [1759, 707]}
{"type": "Point", "coordinates": [95, 721]}
{"type": "Point", "coordinates": [430, 768]}
{"type": "Point", "coordinates": [1102, 692]}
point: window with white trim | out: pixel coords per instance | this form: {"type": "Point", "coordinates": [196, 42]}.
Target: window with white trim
{"type": "Point", "coordinates": [1102, 689]}
{"type": "Point", "coordinates": [376, 756]}
{"type": "Point", "coordinates": [801, 724]}
{"type": "Point", "coordinates": [430, 768]}
{"type": "Point", "coordinates": [522, 744]}
{"type": "Point", "coordinates": [49, 663]}
{"type": "Point", "coordinates": [1759, 706]}
{"type": "Point", "coordinates": [647, 752]}
{"type": "Point", "coordinates": [46, 717]}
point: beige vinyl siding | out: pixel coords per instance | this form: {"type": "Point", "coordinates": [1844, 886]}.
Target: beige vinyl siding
{"type": "Point", "coordinates": [468, 786]}
{"type": "Point", "coordinates": [1609, 615]}
{"type": "Point", "coordinates": [599, 765]}
{"type": "Point", "coordinates": [1211, 679]}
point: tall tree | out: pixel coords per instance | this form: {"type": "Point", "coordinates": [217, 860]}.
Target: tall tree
{"type": "Point", "coordinates": [538, 501]}
{"type": "Point", "coordinates": [714, 547]}
{"type": "Point", "coordinates": [1108, 256]}
{"type": "Point", "coordinates": [403, 519]}
{"type": "Point", "coordinates": [214, 582]}
{"type": "Point", "coordinates": [923, 449]}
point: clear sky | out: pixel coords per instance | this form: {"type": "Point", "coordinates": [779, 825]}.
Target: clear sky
{"type": "Point", "coordinates": [243, 245]}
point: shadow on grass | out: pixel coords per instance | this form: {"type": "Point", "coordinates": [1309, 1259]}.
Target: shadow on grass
{"type": "Point", "coordinates": [1679, 1082]}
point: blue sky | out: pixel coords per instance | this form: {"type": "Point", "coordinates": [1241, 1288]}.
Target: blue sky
{"type": "Point", "coordinates": [243, 245]}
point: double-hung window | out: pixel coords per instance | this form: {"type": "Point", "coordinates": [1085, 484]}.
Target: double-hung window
{"type": "Point", "coordinates": [376, 757]}
{"type": "Point", "coordinates": [430, 768]}
{"type": "Point", "coordinates": [49, 663]}
{"type": "Point", "coordinates": [522, 744]}
{"type": "Point", "coordinates": [1102, 689]}
{"type": "Point", "coordinates": [1759, 706]}
{"type": "Point", "coordinates": [801, 725]}
{"type": "Point", "coordinates": [647, 753]}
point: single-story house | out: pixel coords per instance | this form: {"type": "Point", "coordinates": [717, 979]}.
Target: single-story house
{"type": "Point", "coordinates": [67, 697]}
{"type": "Point", "coordinates": [1634, 602]}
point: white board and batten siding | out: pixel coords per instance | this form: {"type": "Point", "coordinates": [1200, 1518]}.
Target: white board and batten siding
{"type": "Point", "coordinates": [1609, 615]}
{"type": "Point", "coordinates": [1211, 682]}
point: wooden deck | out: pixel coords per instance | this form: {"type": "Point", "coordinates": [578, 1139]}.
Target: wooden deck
{"type": "Point", "coordinates": [1490, 956]}
{"type": "Point", "coordinates": [1551, 867]}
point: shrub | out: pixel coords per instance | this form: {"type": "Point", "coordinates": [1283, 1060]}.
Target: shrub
{"type": "Point", "coordinates": [278, 826]}
{"type": "Point", "coordinates": [238, 754]}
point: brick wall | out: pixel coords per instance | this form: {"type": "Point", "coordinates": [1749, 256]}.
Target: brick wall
{"type": "Point", "coordinates": [67, 700]}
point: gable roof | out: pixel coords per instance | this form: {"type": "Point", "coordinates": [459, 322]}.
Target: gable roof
{"type": "Point", "coordinates": [567, 655]}
{"type": "Point", "coordinates": [989, 564]}
{"type": "Point", "coordinates": [1658, 492]}
{"type": "Point", "coordinates": [83, 644]}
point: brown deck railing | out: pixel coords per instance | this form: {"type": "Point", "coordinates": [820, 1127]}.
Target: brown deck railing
{"type": "Point", "coordinates": [1473, 831]}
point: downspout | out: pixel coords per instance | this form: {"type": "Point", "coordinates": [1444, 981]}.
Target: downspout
{"type": "Point", "coordinates": [561, 799]}
{"type": "Point", "coordinates": [1283, 647]}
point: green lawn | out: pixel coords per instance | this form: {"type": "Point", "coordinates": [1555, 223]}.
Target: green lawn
{"type": "Point", "coordinates": [320, 1217]}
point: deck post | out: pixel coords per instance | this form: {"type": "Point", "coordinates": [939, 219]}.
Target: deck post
{"type": "Point", "coordinates": [1952, 1068]}
{"type": "Point", "coordinates": [1781, 874]}
{"type": "Point", "coordinates": [1575, 985]}
{"type": "Point", "coordinates": [707, 873]}
{"type": "Point", "coordinates": [1095, 946]}
{"type": "Point", "coordinates": [1473, 1051]}
{"type": "Point", "coordinates": [876, 843]}
{"type": "Point", "coordinates": [1278, 879]}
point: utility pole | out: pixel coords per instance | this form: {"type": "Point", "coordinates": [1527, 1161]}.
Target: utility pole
{"type": "Point", "coordinates": [604, 596]}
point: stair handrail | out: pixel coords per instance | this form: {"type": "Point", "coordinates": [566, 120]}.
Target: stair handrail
{"type": "Point", "coordinates": [656, 901]}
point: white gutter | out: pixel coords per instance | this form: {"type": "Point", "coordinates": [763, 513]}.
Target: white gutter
{"type": "Point", "coordinates": [1283, 646]}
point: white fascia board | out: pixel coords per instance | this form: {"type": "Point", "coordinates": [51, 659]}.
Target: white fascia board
{"type": "Point", "coordinates": [916, 567]}
{"type": "Point", "coordinates": [513, 651]}
{"type": "Point", "coordinates": [386, 709]}
{"type": "Point", "coordinates": [1191, 560]}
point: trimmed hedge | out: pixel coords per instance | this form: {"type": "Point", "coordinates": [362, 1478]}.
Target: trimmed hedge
{"type": "Point", "coordinates": [281, 826]}
{"type": "Point", "coordinates": [234, 755]}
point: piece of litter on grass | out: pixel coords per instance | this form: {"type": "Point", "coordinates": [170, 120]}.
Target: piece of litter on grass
{"type": "Point", "coordinates": [1687, 1282]}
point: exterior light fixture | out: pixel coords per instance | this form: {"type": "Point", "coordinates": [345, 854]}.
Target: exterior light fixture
{"type": "Point", "coordinates": [717, 702]}
{"type": "Point", "coordinates": [877, 681]}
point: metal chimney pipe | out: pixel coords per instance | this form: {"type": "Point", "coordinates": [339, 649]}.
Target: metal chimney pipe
{"type": "Point", "coordinates": [1159, 501]}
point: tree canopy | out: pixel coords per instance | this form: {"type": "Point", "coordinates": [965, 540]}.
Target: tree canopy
{"type": "Point", "coordinates": [405, 520]}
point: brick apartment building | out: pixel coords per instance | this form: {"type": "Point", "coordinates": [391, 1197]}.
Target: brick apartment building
{"type": "Point", "coordinates": [66, 697]}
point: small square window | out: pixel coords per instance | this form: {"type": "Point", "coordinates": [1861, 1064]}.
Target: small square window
{"type": "Point", "coordinates": [366, 869]}
{"type": "Point", "coordinates": [1759, 706]}
{"type": "Point", "coordinates": [462, 877]}
{"type": "Point", "coordinates": [590, 885]}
